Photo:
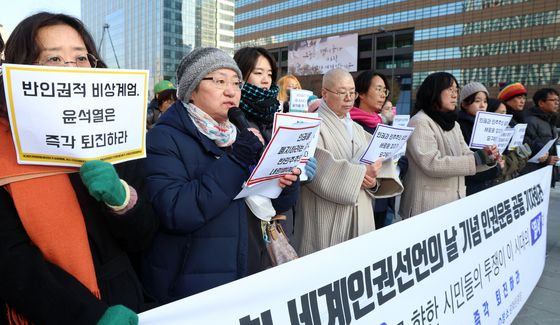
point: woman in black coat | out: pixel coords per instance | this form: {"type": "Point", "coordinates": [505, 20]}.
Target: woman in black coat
{"type": "Point", "coordinates": [64, 236]}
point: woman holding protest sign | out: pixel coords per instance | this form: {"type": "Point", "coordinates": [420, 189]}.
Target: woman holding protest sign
{"type": "Point", "coordinates": [438, 157]}
{"type": "Point", "coordinates": [258, 102]}
{"type": "Point", "coordinates": [197, 163]}
{"type": "Point", "coordinates": [64, 235]}
{"type": "Point", "coordinates": [474, 98]}
{"type": "Point", "coordinates": [514, 160]}
{"type": "Point", "coordinates": [373, 91]}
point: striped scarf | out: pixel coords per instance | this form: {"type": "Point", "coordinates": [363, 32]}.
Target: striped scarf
{"type": "Point", "coordinates": [258, 103]}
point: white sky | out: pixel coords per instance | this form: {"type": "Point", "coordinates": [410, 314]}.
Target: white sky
{"type": "Point", "coordinates": [14, 11]}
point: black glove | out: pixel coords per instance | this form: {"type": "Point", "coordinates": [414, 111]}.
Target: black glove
{"type": "Point", "coordinates": [482, 158]}
{"type": "Point", "coordinates": [246, 148]}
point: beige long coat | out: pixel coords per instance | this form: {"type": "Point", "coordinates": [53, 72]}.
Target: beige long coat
{"type": "Point", "coordinates": [333, 207]}
{"type": "Point", "coordinates": [438, 162]}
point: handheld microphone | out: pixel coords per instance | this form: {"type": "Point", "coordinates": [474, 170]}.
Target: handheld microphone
{"type": "Point", "coordinates": [237, 117]}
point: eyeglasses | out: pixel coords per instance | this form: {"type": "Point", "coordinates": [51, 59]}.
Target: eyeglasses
{"type": "Point", "coordinates": [383, 91]}
{"type": "Point", "coordinates": [454, 90]}
{"type": "Point", "coordinates": [82, 61]}
{"type": "Point", "coordinates": [223, 84]}
{"type": "Point", "coordinates": [350, 94]}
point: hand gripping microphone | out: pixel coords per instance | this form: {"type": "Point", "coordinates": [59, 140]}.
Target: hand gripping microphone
{"type": "Point", "coordinates": [237, 117]}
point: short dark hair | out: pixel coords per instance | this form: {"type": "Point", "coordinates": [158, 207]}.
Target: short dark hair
{"type": "Point", "coordinates": [493, 104]}
{"type": "Point", "coordinates": [166, 95]}
{"type": "Point", "coordinates": [363, 82]}
{"type": "Point", "coordinates": [428, 95]}
{"type": "Point", "coordinates": [247, 57]}
{"type": "Point", "coordinates": [22, 47]}
{"type": "Point", "coordinates": [542, 95]}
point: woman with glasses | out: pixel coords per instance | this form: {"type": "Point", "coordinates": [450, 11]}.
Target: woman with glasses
{"type": "Point", "coordinates": [64, 235]}
{"type": "Point", "coordinates": [373, 91]}
{"type": "Point", "coordinates": [196, 165]}
{"type": "Point", "coordinates": [438, 157]}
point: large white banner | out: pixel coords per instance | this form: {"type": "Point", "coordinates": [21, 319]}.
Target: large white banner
{"type": "Point", "coordinates": [65, 116]}
{"type": "Point", "coordinates": [319, 55]}
{"type": "Point", "coordinates": [473, 261]}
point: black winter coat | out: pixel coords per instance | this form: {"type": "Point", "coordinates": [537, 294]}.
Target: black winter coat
{"type": "Point", "coordinates": [541, 128]}
{"type": "Point", "coordinates": [192, 183]}
{"type": "Point", "coordinates": [44, 293]}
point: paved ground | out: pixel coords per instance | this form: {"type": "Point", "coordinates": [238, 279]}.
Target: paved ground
{"type": "Point", "coordinates": [543, 306]}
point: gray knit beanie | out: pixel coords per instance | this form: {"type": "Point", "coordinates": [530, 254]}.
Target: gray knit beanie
{"type": "Point", "coordinates": [472, 87]}
{"type": "Point", "coordinates": [197, 65]}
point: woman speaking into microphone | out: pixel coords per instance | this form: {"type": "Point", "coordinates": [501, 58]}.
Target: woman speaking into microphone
{"type": "Point", "coordinates": [197, 163]}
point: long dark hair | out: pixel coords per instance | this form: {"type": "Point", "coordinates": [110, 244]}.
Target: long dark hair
{"type": "Point", "coordinates": [428, 96]}
{"type": "Point", "coordinates": [22, 47]}
{"type": "Point", "coordinates": [246, 58]}
{"type": "Point", "coordinates": [363, 82]}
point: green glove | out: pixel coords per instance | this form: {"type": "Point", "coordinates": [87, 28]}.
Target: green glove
{"type": "Point", "coordinates": [118, 314]}
{"type": "Point", "coordinates": [103, 183]}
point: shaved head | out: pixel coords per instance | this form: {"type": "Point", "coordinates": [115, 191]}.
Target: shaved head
{"type": "Point", "coordinates": [338, 91]}
{"type": "Point", "coordinates": [332, 77]}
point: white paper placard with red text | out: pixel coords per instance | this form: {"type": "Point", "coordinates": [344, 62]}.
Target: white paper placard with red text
{"type": "Point", "coordinates": [288, 119]}
{"type": "Point", "coordinates": [475, 260]}
{"type": "Point", "coordinates": [65, 116]}
{"type": "Point", "coordinates": [284, 151]}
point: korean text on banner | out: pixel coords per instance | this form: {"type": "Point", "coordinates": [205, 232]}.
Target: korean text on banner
{"type": "Point", "coordinates": [65, 116]}
{"type": "Point", "coordinates": [475, 260]}
{"type": "Point", "coordinates": [385, 142]}
{"type": "Point", "coordinates": [487, 128]}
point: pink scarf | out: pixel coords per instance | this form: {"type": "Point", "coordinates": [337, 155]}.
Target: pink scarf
{"type": "Point", "coordinates": [368, 119]}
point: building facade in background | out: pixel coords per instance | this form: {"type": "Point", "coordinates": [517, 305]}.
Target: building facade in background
{"type": "Point", "coordinates": [490, 41]}
{"type": "Point", "coordinates": [156, 34]}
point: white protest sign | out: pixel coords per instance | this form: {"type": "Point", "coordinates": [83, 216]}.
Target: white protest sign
{"type": "Point", "coordinates": [386, 141]}
{"type": "Point", "coordinates": [518, 136]}
{"type": "Point", "coordinates": [291, 119]}
{"type": "Point", "coordinates": [298, 99]}
{"type": "Point", "coordinates": [543, 151]}
{"type": "Point", "coordinates": [283, 152]}
{"type": "Point", "coordinates": [401, 120]}
{"type": "Point", "coordinates": [65, 116]}
{"type": "Point", "coordinates": [487, 128]}
{"type": "Point", "coordinates": [504, 139]}
{"type": "Point", "coordinates": [478, 258]}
